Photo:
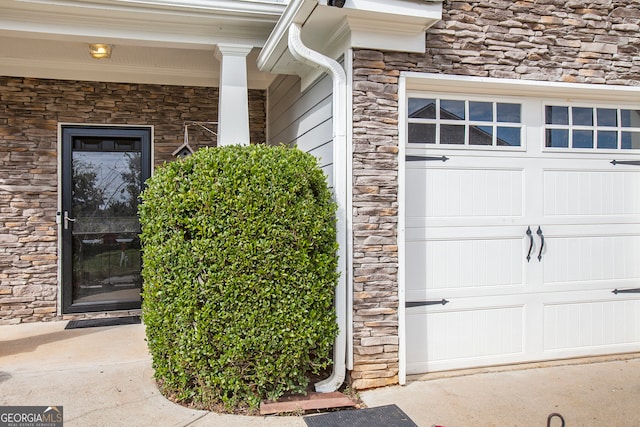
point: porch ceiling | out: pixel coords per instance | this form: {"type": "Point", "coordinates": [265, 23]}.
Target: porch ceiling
{"type": "Point", "coordinates": [159, 41]}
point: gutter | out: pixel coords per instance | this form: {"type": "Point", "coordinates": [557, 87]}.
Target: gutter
{"type": "Point", "coordinates": [317, 60]}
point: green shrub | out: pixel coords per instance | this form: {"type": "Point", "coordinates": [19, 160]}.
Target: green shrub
{"type": "Point", "coordinates": [239, 274]}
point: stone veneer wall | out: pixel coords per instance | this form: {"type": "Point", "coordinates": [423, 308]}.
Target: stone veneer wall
{"type": "Point", "coordinates": [30, 110]}
{"type": "Point", "coordinates": [595, 41]}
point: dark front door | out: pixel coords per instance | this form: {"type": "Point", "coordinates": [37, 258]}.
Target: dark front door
{"type": "Point", "coordinates": [103, 173]}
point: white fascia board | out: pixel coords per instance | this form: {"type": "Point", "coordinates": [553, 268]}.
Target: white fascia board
{"type": "Point", "coordinates": [277, 45]}
{"type": "Point", "coordinates": [241, 8]}
{"type": "Point", "coordinates": [182, 26]}
{"type": "Point", "coordinates": [386, 35]}
{"type": "Point", "coordinates": [394, 25]}
{"type": "Point", "coordinates": [400, 9]}
{"type": "Point", "coordinates": [199, 37]}
{"type": "Point", "coordinates": [508, 87]}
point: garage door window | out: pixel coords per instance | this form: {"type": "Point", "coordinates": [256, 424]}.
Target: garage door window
{"type": "Point", "coordinates": [577, 127]}
{"type": "Point", "coordinates": [464, 122]}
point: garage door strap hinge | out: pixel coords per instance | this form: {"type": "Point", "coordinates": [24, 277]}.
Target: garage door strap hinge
{"type": "Point", "coordinates": [426, 158]}
{"type": "Point", "coordinates": [625, 162]}
{"type": "Point", "coordinates": [626, 291]}
{"type": "Point", "coordinates": [422, 303]}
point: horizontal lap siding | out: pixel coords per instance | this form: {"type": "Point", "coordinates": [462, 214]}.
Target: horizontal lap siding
{"type": "Point", "coordinates": [303, 119]}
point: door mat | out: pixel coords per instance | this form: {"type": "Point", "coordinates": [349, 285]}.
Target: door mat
{"type": "Point", "coordinates": [382, 416]}
{"type": "Point", "coordinates": [106, 321]}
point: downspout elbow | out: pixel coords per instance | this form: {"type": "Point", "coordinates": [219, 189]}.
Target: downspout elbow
{"type": "Point", "coordinates": [317, 60]}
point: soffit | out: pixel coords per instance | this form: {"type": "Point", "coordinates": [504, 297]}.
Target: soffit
{"type": "Point", "coordinates": [160, 41]}
{"type": "Point", "coordinates": [130, 63]}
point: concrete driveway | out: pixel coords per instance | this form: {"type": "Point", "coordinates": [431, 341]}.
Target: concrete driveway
{"type": "Point", "coordinates": [601, 393]}
{"type": "Point", "coordinates": [103, 377]}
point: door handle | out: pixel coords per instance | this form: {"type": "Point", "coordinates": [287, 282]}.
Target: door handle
{"type": "Point", "coordinates": [539, 233]}
{"type": "Point", "coordinates": [67, 219]}
{"type": "Point", "coordinates": [530, 234]}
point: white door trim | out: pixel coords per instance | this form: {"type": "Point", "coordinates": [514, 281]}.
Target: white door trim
{"type": "Point", "coordinates": [402, 136]}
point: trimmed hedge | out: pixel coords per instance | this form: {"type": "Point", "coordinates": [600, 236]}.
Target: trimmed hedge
{"type": "Point", "coordinates": [239, 254]}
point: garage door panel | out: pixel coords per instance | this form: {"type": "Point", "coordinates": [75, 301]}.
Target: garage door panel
{"type": "Point", "coordinates": [471, 263]}
{"type": "Point", "coordinates": [460, 233]}
{"type": "Point", "coordinates": [592, 259]}
{"type": "Point", "coordinates": [415, 224]}
{"type": "Point", "coordinates": [464, 192]}
{"type": "Point", "coordinates": [465, 238]}
{"type": "Point", "coordinates": [463, 337]}
{"type": "Point", "coordinates": [607, 324]}
{"type": "Point", "coordinates": [591, 193]}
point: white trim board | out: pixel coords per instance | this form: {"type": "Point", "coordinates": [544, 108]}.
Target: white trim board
{"type": "Point", "coordinates": [515, 87]}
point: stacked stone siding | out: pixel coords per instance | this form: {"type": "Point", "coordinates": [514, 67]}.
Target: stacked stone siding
{"type": "Point", "coordinates": [30, 110]}
{"type": "Point", "coordinates": [375, 219]}
{"type": "Point", "coordinates": [551, 40]}
{"type": "Point", "coordinates": [548, 40]}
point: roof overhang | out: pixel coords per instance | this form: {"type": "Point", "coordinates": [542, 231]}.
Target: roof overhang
{"type": "Point", "coordinates": [157, 22]}
{"type": "Point", "coordinates": [156, 41]}
{"type": "Point", "coordinates": [397, 25]}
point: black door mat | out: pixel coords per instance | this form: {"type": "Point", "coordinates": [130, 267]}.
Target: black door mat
{"type": "Point", "coordinates": [107, 321]}
{"type": "Point", "coordinates": [382, 416]}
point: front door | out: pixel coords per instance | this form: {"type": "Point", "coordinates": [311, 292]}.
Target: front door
{"type": "Point", "coordinates": [103, 173]}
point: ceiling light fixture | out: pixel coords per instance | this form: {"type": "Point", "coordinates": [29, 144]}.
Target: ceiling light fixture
{"type": "Point", "coordinates": [100, 50]}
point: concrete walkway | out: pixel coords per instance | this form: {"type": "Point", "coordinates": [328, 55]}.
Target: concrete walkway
{"type": "Point", "coordinates": [103, 377]}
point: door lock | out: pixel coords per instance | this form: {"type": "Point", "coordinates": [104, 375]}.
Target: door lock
{"type": "Point", "coordinates": [67, 219]}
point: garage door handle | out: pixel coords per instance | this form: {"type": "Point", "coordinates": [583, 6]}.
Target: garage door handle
{"type": "Point", "coordinates": [539, 232]}
{"type": "Point", "coordinates": [423, 303]}
{"type": "Point", "coordinates": [530, 234]}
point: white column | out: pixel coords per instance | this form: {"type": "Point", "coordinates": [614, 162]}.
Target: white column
{"type": "Point", "coordinates": [233, 103]}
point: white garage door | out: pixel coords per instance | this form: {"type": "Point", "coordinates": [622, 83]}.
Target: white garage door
{"type": "Point", "coordinates": [522, 231]}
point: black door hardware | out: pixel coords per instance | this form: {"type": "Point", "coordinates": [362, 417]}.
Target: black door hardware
{"type": "Point", "coordinates": [426, 159]}
{"type": "Point", "coordinates": [530, 234]}
{"type": "Point", "coordinates": [423, 303]}
{"type": "Point", "coordinates": [539, 233]}
{"type": "Point", "coordinates": [625, 162]}
{"type": "Point", "coordinates": [626, 291]}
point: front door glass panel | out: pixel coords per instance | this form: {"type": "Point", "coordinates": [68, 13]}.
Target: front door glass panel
{"type": "Point", "coordinates": [101, 249]}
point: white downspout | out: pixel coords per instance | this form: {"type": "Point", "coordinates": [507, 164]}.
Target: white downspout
{"type": "Point", "coordinates": [317, 60]}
